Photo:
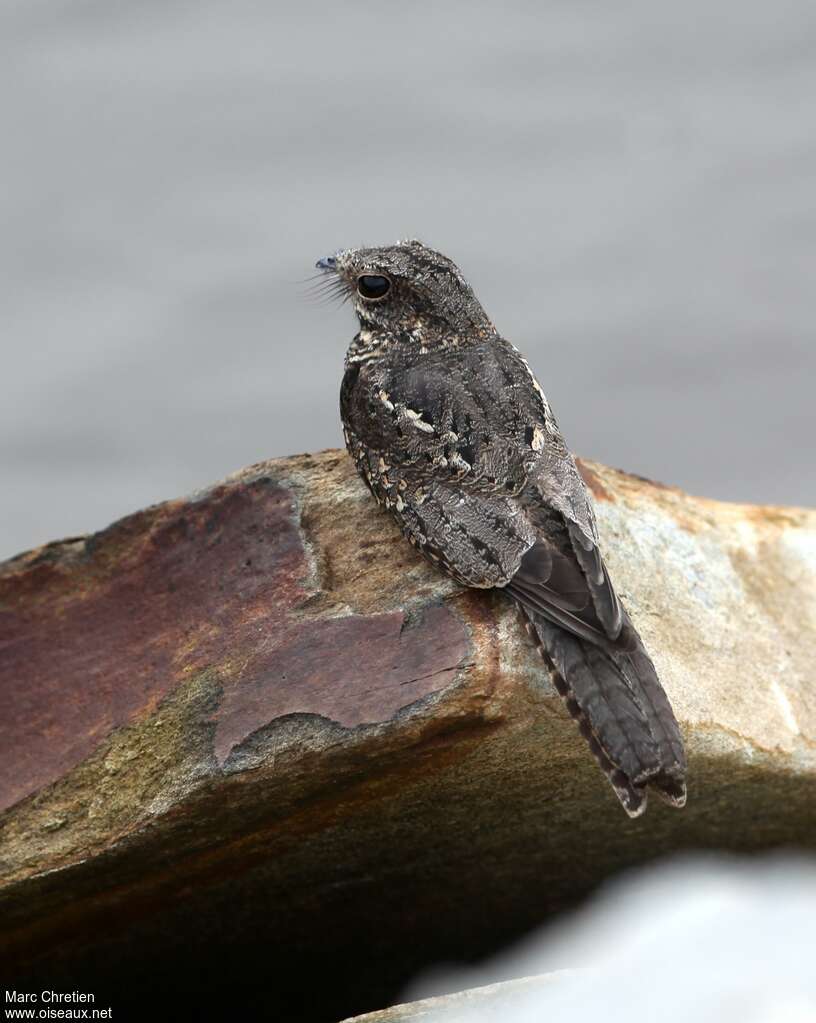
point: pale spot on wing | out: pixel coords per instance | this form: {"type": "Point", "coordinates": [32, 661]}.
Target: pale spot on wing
{"type": "Point", "coordinates": [549, 418]}
{"type": "Point", "coordinates": [417, 421]}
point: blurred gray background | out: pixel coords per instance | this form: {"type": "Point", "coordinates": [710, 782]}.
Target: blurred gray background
{"type": "Point", "coordinates": [630, 187]}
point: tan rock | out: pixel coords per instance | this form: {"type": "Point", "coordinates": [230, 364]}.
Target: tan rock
{"type": "Point", "coordinates": [254, 726]}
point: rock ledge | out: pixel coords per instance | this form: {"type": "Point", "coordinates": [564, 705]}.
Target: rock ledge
{"type": "Point", "coordinates": [253, 726]}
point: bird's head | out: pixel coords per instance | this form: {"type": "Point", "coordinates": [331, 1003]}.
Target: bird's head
{"type": "Point", "coordinates": [409, 292]}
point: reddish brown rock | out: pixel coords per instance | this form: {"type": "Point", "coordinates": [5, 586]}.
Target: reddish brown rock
{"type": "Point", "coordinates": [253, 729]}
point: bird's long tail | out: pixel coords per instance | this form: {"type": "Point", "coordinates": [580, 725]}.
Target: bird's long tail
{"type": "Point", "coordinates": [616, 699]}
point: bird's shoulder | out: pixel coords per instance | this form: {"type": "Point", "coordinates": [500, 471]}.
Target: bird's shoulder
{"type": "Point", "coordinates": [473, 415]}
{"type": "Point", "coordinates": [486, 386]}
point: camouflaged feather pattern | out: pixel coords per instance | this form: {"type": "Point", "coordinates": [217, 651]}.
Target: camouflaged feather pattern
{"type": "Point", "coordinates": [453, 435]}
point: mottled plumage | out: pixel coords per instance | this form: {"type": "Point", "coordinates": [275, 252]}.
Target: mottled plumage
{"type": "Point", "coordinates": [453, 435]}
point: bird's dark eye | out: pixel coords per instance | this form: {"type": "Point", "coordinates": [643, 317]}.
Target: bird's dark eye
{"type": "Point", "coordinates": [372, 286]}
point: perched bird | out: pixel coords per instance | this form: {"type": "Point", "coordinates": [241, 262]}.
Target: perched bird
{"type": "Point", "coordinates": [452, 433]}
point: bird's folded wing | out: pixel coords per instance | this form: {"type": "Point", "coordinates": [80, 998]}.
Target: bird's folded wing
{"type": "Point", "coordinates": [497, 501]}
{"type": "Point", "coordinates": [567, 582]}
{"type": "Point", "coordinates": [478, 539]}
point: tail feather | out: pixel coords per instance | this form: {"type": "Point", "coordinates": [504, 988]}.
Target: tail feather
{"type": "Point", "coordinates": [621, 709]}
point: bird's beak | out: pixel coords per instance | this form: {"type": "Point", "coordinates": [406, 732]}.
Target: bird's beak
{"type": "Point", "coordinates": [326, 263]}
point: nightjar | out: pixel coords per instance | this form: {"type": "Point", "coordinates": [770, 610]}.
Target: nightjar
{"type": "Point", "coordinates": [452, 433]}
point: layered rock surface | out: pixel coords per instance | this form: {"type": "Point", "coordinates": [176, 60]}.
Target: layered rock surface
{"type": "Point", "coordinates": [252, 731]}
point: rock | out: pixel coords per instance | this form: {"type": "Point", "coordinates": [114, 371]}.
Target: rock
{"type": "Point", "coordinates": [695, 918]}
{"type": "Point", "coordinates": [253, 729]}
{"type": "Point", "coordinates": [473, 1005]}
